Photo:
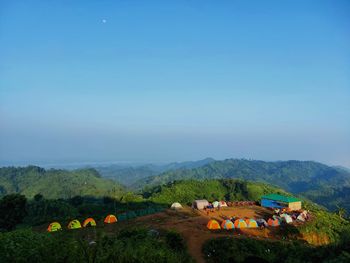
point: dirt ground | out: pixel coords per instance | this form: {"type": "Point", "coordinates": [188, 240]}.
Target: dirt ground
{"type": "Point", "coordinates": [191, 224]}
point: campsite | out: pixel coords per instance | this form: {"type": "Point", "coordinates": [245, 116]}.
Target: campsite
{"type": "Point", "coordinates": [203, 221]}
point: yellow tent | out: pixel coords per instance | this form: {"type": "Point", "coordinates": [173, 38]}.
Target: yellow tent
{"type": "Point", "coordinates": [55, 226]}
{"type": "Point", "coordinates": [74, 224]}
{"type": "Point", "coordinates": [251, 223]}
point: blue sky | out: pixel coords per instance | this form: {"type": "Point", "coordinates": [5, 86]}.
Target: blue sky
{"type": "Point", "coordinates": [159, 81]}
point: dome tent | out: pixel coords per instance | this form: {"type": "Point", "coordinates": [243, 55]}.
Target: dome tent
{"type": "Point", "coordinates": [301, 217]}
{"type": "Point", "coordinates": [223, 204]}
{"type": "Point", "coordinates": [287, 218]}
{"type": "Point", "coordinates": [227, 224]}
{"type": "Point", "coordinates": [89, 222]}
{"type": "Point", "coordinates": [262, 222]}
{"type": "Point", "coordinates": [74, 224]}
{"type": "Point", "coordinates": [110, 219]}
{"type": "Point", "coordinates": [216, 203]}
{"type": "Point", "coordinates": [54, 226]}
{"type": "Point", "coordinates": [273, 222]}
{"type": "Point", "coordinates": [251, 223]}
{"type": "Point", "coordinates": [240, 223]}
{"type": "Point", "coordinates": [213, 224]}
{"type": "Point", "coordinates": [176, 206]}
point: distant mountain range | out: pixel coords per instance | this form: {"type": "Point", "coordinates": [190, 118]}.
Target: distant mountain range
{"type": "Point", "coordinates": [53, 183]}
{"type": "Point", "coordinates": [130, 174]}
{"type": "Point", "coordinates": [325, 185]}
{"type": "Point", "coordinates": [329, 186]}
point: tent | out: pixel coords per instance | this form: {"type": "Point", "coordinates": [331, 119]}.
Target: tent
{"type": "Point", "coordinates": [240, 223]}
{"type": "Point", "coordinates": [54, 226]}
{"type": "Point", "coordinates": [89, 222]}
{"type": "Point", "coordinates": [287, 218]}
{"type": "Point", "coordinates": [110, 219]}
{"type": "Point", "coordinates": [200, 204]}
{"type": "Point", "coordinates": [176, 206]}
{"type": "Point", "coordinates": [262, 222]}
{"type": "Point", "coordinates": [223, 204]}
{"type": "Point", "coordinates": [273, 222]}
{"type": "Point", "coordinates": [227, 224]}
{"type": "Point", "coordinates": [301, 218]}
{"type": "Point", "coordinates": [251, 223]}
{"type": "Point", "coordinates": [213, 224]}
{"type": "Point", "coordinates": [74, 224]}
{"type": "Point", "coordinates": [216, 203]}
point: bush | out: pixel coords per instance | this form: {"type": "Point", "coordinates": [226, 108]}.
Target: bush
{"type": "Point", "coordinates": [127, 246]}
{"type": "Point", "coordinates": [175, 241]}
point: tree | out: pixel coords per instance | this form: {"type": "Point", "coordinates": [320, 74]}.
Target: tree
{"type": "Point", "coordinates": [38, 197]}
{"type": "Point", "coordinates": [12, 211]}
{"type": "Point", "coordinates": [341, 211]}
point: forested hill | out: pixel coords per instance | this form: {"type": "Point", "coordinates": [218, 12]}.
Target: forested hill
{"type": "Point", "coordinates": [314, 180]}
{"type": "Point", "coordinates": [129, 174]}
{"type": "Point", "coordinates": [53, 183]}
{"type": "Point", "coordinates": [226, 189]}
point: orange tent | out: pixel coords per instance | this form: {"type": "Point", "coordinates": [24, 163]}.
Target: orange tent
{"type": "Point", "coordinates": [110, 219]}
{"type": "Point", "coordinates": [273, 222]}
{"type": "Point", "coordinates": [227, 224]}
{"type": "Point", "coordinates": [89, 222]}
{"type": "Point", "coordinates": [251, 223]}
{"type": "Point", "coordinates": [240, 223]}
{"type": "Point", "coordinates": [213, 224]}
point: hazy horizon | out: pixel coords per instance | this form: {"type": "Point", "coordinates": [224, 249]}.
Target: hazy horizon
{"type": "Point", "coordinates": [158, 81]}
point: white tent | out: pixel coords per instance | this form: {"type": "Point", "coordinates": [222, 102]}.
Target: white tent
{"type": "Point", "coordinates": [223, 204]}
{"type": "Point", "coordinates": [176, 205]}
{"type": "Point", "coordinates": [216, 203]}
{"type": "Point", "coordinates": [200, 204]}
{"type": "Point", "coordinates": [287, 218]}
{"type": "Point", "coordinates": [301, 218]}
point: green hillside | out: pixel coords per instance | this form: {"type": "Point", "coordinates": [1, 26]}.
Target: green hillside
{"type": "Point", "coordinates": [53, 184]}
{"type": "Point", "coordinates": [314, 180]}
{"type": "Point", "coordinates": [223, 189]}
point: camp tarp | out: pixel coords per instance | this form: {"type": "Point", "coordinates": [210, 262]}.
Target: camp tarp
{"type": "Point", "coordinates": [110, 219]}
{"type": "Point", "coordinates": [227, 224]}
{"type": "Point", "coordinates": [89, 222]}
{"type": "Point", "coordinates": [287, 218]}
{"type": "Point", "coordinates": [176, 206]}
{"type": "Point", "coordinates": [54, 226]}
{"type": "Point", "coordinates": [273, 222]}
{"type": "Point", "coordinates": [251, 223]}
{"type": "Point", "coordinates": [74, 224]}
{"type": "Point", "coordinates": [213, 224]}
{"type": "Point", "coordinates": [240, 223]}
{"type": "Point", "coordinates": [223, 204]}
{"type": "Point", "coordinates": [216, 203]}
{"type": "Point", "coordinates": [200, 204]}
